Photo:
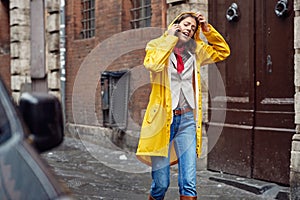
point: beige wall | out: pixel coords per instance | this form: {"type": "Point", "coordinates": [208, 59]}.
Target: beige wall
{"type": "Point", "coordinates": [295, 154]}
{"type": "Point", "coordinates": [20, 46]}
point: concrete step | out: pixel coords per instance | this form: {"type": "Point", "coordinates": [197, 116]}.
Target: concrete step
{"type": "Point", "coordinates": [258, 187]}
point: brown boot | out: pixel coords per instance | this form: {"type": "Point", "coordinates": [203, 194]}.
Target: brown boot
{"type": "Point", "coordinates": [182, 197]}
{"type": "Point", "coordinates": [150, 198]}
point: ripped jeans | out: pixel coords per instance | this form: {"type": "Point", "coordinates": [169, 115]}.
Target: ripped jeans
{"type": "Point", "coordinates": [183, 134]}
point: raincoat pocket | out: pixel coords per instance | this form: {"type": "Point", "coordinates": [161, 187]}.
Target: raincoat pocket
{"type": "Point", "coordinates": [153, 112]}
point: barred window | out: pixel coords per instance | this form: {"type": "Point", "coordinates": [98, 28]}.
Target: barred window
{"type": "Point", "coordinates": [88, 18]}
{"type": "Point", "coordinates": [141, 13]}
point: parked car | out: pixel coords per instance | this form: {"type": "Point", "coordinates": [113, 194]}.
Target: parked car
{"type": "Point", "coordinates": [32, 127]}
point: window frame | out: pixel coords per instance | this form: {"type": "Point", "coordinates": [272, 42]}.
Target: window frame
{"type": "Point", "coordinates": [87, 19]}
{"type": "Point", "coordinates": [141, 13]}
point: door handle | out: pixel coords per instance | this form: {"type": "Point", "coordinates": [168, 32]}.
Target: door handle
{"type": "Point", "coordinates": [281, 8]}
{"type": "Point", "coordinates": [269, 64]}
{"type": "Point", "coordinates": [232, 13]}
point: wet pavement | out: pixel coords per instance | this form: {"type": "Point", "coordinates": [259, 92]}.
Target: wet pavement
{"type": "Point", "coordinates": [92, 171]}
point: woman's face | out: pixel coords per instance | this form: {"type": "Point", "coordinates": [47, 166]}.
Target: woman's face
{"type": "Point", "coordinates": [187, 29]}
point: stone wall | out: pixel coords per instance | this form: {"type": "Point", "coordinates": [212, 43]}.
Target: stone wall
{"type": "Point", "coordinates": [175, 8]}
{"type": "Point", "coordinates": [52, 26]}
{"type": "Point", "coordinates": [295, 154]}
{"type": "Point", "coordinates": [20, 46]}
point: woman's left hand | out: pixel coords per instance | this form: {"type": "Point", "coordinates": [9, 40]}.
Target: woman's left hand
{"type": "Point", "coordinates": [203, 22]}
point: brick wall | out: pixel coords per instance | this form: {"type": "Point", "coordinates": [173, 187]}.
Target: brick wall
{"type": "Point", "coordinates": [78, 49]}
{"type": "Point", "coordinates": [112, 17]}
{"type": "Point", "coordinates": [295, 154]}
{"type": "Point", "coordinates": [4, 43]}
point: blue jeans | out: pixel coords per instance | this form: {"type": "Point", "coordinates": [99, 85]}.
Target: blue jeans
{"type": "Point", "coordinates": [183, 134]}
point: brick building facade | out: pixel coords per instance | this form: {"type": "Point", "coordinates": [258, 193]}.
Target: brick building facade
{"type": "Point", "coordinates": [4, 43]}
{"type": "Point", "coordinates": [111, 17]}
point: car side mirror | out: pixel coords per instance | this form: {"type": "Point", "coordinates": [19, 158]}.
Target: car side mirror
{"type": "Point", "coordinates": [42, 114]}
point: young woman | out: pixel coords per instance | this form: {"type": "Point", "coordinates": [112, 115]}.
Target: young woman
{"type": "Point", "coordinates": [171, 129]}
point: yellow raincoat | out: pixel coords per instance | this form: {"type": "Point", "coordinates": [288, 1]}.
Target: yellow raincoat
{"type": "Point", "coordinates": [155, 131]}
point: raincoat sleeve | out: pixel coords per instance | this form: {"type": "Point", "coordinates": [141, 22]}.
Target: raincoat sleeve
{"type": "Point", "coordinates": [158, 52]}
{"type": "Point", "coordinates": [217, 49]}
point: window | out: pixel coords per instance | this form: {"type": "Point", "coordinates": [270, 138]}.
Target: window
{"type": "Point", "coordinates": [88, 18]}
{"type": "Point", "coordinates": [141, 13]}
{"type": "Point", "coordinates": [115, 94]}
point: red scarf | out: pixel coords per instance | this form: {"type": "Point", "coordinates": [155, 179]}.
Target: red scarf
{"type": "Point", "coordinates": [180, 65]}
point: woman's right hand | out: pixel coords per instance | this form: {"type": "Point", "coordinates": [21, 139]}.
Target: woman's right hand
{"type": "Point", "coordinates": [174, 29]}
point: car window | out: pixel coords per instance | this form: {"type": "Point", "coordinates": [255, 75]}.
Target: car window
{"type": "Point", "coordinates": [5, 130]}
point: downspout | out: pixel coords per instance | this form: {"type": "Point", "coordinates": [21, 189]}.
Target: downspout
{"type": "Point", "coordinates": [62, 57]}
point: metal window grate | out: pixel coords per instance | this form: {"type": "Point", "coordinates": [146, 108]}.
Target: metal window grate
{"type": "Point", "coordinates": [115, 94]}
{"type": "Point", "coordinates": [141, 13]}
{"type": "Point", "coordinates": [88, 18]}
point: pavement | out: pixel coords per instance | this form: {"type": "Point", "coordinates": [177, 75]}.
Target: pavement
{"type": "Point", "coordinates": [98, 169]}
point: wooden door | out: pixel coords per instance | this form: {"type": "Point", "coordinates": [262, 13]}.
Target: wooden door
{"type": "Point", "coordinates": [258, 78]}
{"type": "Point", "coordinates": [274, 105]}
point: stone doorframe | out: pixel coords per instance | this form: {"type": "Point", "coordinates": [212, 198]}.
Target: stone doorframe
{"type": "Point", "coordinates": [295, 151]}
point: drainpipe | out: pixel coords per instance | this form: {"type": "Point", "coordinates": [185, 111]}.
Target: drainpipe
{"type": "Point", "coordinates": [62, 57]}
